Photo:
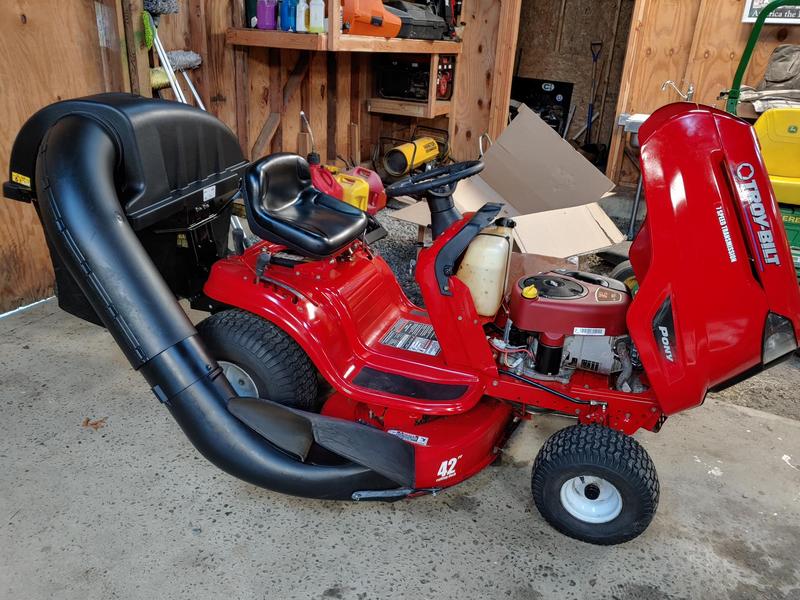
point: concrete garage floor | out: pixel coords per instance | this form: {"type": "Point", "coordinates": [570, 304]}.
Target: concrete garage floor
{"type": "Point", "coordinates": [132, 511]}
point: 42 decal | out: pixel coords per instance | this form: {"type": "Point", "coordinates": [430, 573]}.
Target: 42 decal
{"type": "Point", "coordinates": [447, 469]}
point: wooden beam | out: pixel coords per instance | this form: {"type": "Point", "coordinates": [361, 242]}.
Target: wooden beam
{"type": "Point", "coordinates": [138, 56]}
{"type": "Point", "coordinates": [355, 144]}
{"type": "Point", "coordinates": [342, 106]}
{"type": "Point", "coordinates": [292, 72]}
{"type": "Point", "coordinates": [240, 55]}
{"type": "Point", "coordinates": [264, 139]}
{"type": "Point", "coordinates": [295, 78]}
{"type": "Point", "coordinates": [507, 34]}
{"type": "Point", "coordinates": [275, 97]}
{"type": "Point", "coordinates": [121, 52]}
{"type": "Point", "coordinates": [433, 88]}
{"type": "Point", "coordinates": [609, 65]}
{"type": "Point", "coordinates": [198, 41]}
{"type": "Point", "coordinates": [632, 56]}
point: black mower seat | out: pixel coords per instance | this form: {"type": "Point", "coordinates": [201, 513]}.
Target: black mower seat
{"type": "Point", "coordinates": [283, 207]}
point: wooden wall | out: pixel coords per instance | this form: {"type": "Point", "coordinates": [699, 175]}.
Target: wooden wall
{"type": "Point", "coordinates": [48, 51]}
{"type": "Point", "coordinates": [54, 50]}
{"type": "Point", "coordinates": [689, 41]}
{"type": "Point", "coordinates": [555, 38]}
{"type": "Point", "coordinates": [200, 26]}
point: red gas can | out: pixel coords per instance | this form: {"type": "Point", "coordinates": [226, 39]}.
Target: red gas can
{"type": "Point", "coordinates": [322, 179]}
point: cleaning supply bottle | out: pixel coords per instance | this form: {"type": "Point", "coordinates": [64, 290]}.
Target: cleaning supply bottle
{"type": "Point", "coordinates": [486, 264]}
{"type": "Point", "coordinates": [267, 14]}
{"type": "Point", "coordinates": [301, 16]}
{"type": "Point", "coordinates": [316, 16]}
{"type": "Point", "coordinates": [251, 13]}
{"type": "Point", "coordinates": [288, 14]}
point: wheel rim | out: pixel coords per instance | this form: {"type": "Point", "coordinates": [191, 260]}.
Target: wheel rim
{"type": "Point", "coordinates": [591, 499]}
{"type": "Point", "coordinates": [239, 379]}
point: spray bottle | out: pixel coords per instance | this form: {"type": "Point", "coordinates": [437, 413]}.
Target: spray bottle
{"type": "Point", "coordinates": [316, 16]}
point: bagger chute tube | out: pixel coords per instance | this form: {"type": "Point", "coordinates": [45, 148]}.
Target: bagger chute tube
{"type": "Point", "coordinates": [135, 198]}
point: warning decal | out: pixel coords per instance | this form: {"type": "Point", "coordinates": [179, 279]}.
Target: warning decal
{"type": "Point", "coordinates": [412, 336]}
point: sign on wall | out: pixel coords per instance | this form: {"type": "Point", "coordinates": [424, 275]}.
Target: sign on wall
{"type": "Point", "coordinates": [788, 15]}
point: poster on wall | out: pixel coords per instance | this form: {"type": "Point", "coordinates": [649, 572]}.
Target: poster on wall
{"type": "Point", "coordinates": [788, 15]}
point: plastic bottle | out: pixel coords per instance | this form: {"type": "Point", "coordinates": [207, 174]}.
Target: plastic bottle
{"type": "Point", "coordinates": [301, 16]}
{"type": "Point", "coordinates": [267, 14]}
{"type": "Point", "coordinates": [485, 266]}
{"type": "Point", "coordinates": [251, 11]}
{"type": "Point", "coordinates": [316, 18]}
{"type": "Point", "coordinates": [288, 14]}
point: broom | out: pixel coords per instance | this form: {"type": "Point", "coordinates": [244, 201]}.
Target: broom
{"type": "Point", "coordinates": [183, 61]}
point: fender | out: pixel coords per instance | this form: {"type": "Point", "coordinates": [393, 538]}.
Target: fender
{"type": "Point", "coordinates": [334, 323]}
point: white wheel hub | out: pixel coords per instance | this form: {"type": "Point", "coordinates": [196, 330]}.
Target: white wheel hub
{"type": "Point", "coordinates": [239, 379]}
{"type": "Point", "coordinates": [591, 499]}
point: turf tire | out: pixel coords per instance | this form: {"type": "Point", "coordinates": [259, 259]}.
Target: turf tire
{"type": "Point", "coordinates": [280, 369]}
{"type": "Point", "coordinates": [597, 451]}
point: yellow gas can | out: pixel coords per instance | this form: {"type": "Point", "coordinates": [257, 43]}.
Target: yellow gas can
{"type": "Point", "coordinates": [355, 190]}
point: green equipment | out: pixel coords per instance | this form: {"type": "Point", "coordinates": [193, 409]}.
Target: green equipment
{"type": "Point", "coordinates": [791, 214]}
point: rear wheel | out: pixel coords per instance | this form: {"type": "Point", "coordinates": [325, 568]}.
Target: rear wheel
{"type": "Point", "coordinates": [260, 360]}
{"type": "Point", "coordinates": [595, 484]}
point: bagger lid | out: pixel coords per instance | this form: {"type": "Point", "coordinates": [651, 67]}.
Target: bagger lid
{"type": "Point", "coordinates": [171, 152]}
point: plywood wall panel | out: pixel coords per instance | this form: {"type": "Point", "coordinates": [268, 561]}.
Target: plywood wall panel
{"type": "Point", "coordinates": [660, 44]}
{"type": "Point", "coordinates": [474, 76]}
{"type": "Point", "coordinates": [49, 51]}
{"type": "Point", "coordinates": [689, 41]}
{"type": "Point", "coordinates": [716, 56]}
{"type": "Point", "coordinates": [555, 38]}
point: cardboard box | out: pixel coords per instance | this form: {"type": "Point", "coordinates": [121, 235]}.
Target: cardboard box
{"type": "Point", "coordinates": [545, 184]}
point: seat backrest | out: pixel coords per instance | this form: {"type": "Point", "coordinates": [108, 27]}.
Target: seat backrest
{"type": "Point", "coordinates": [778, 131]}
{"type": "Point", "coordinates": [277, 181]}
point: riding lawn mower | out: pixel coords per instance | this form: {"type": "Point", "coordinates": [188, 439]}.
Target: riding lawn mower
{"type": "Point", "coordinates": [314, 375]}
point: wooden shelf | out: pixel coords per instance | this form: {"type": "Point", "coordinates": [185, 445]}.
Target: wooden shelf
{"type": "Point", "coordinates": [362, 43]}
{"type": "Point", "coordinates": [242, 36]}
{"type": "Point", "coordinates": [406, 108]}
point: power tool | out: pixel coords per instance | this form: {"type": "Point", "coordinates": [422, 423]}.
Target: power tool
{"type": "Point", "coordinates": [396, 18]}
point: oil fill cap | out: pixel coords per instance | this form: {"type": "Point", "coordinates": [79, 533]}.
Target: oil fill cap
{"type": "Point", "coordinates": [530, 292]}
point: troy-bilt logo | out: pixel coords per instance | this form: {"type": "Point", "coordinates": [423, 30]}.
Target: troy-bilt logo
{"type": "Point", "coordinates": [749, 192]}
{"type": "Point", "coordinates": [666, 344]}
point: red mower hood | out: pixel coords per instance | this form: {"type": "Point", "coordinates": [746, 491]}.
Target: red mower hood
{"type": "Point", "coordinates": [713, 261]}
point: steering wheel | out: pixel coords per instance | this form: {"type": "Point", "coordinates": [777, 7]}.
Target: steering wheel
{"type": "Point", "coordinates": [440, 182]}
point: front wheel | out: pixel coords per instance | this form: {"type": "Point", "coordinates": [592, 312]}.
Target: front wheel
{"type": "Point", "coordinates": [595, 484]}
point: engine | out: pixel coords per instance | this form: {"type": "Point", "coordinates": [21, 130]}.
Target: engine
{"type": "Point", "coordinates": [563, 321]}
